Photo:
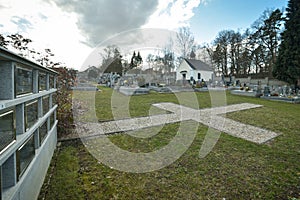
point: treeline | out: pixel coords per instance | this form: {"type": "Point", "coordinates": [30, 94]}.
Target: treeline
{"type": "Point", "coordinates": [253, 51]}
{"type": "Point", "coordinates": [271, 47]}
{"type": "Point", "coordinates": [114, 61]}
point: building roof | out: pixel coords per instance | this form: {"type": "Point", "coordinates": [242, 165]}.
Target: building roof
{"type": "Point", "coordinates": [91, 68]}
{"type": "Point", "coordinates": [6, 55]}
{"type": "Point", "coordinates": [198, 65]}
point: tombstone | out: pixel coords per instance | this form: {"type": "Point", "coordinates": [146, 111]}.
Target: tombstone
{"type": "Point", "coordinates": [213, 76]}
{"type": "Point", "coordinates": [258, 90]}
{"type": "Point", "coordinates": [135, 83]}
{"type": "Point", "coordinates": [112, 79]}
{"type": "Point", "coordinates": [233, 80]}
{"type": "Point", "coordinates": [290, 91]}
{"type": "Point", "coordinates": [249, 79]}
{"type": "Point", "coordinates": [280, 91]}
{"type": "Point", "coordinates": [284, 91]}
{"type": "Point", "coordinates": [276, 91]}
{"type": "Point", "coordinates": [267, 91]}
{"type": "Point", "coordinates": [223, 78]}
{"type": "Point", "coordinates": [192, 80]}
{"type": "Point", "coordinates": [267, 80]}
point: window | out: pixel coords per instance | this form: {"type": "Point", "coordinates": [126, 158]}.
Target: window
{"type": "Point", "coordinates": [7, 129]}
{"type": "Point", "coordinates": [43, 131]}
{"type": "Point", "coordinates": [45, 104]}
{"type": "Point", "coordinates": [42, 81]}
{"type": "Point", "coordinates": [25, 154]}
{"type": "Point", "coordinates": [23, 81]}
{"type": "Point", "coordinates": [31, 114]}
{"type": "Point", "coordinates": [51, 81]}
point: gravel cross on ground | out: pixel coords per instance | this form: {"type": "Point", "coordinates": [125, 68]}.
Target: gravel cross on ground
{"type": "Point", "coordinates": [211, 117]}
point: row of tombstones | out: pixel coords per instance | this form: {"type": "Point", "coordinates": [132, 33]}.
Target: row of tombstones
{"type": "Point", "coordinates": [284, 91]}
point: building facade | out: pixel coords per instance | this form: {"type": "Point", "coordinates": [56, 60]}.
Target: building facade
{"type": "Point", "coordinates": [28, 125]}
{"type": "Point", "coordinates": [191, 69]}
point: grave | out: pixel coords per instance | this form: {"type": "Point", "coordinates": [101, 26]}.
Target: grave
{"type": "Point", "coordinates": [267, 91]}
{"type": "Point", "coordinates": [244, 93]}
{"type": "Point", "coordinates": [85, 87]}
{"type": "Point", "coordinates": [254, 92]}
{"type": "Point", "coordinates": [133, 90]}
{"type": "Point", "coordinates": [295, 99]}
{"type": "Point", "coordinates": [284, 94]}
{"type": "Point", "coordinates": [162, 89]}
{"type": "Point", "coordinates": [130, 85]}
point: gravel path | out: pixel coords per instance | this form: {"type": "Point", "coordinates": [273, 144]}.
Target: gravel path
{"type": "Point", "coordinates": [210, 117]}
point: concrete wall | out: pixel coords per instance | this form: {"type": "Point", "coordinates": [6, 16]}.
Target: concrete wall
{"type": "Point", "coordinates": [33, 179]}
{"type": "Point", "coordinates": [251, 81]}
{"type": "Point", "coordinates": [28, 186]}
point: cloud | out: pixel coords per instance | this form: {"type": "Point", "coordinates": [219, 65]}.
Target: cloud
{"type": "Point", "coordinates": [2, 7]}
{"type": "Point", "coordinates": [172, 14]}
{"type": "Point", "coordinates": [42, 16]}
{"type": "Point", "coordinates": [146, 40]}
{"type": "Point", "coordinates": [101, 19]}
{"type": "Point", "coordinates": [47, 26]}
{"type": "Point", "coordinates": [22, 23]}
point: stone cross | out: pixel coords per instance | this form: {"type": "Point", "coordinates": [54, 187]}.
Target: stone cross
{"type": "Point", "coordinates": [210, 117]}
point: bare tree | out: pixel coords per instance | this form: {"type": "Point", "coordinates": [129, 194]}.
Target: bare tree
{"type": "Point", "coordinates": [185, 41]}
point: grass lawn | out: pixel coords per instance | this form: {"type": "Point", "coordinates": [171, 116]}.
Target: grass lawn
{"type": "Point", "coordinates": [235, 169]}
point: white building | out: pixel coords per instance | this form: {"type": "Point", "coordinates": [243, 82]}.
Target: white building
{"type": "Point", "coordinates": [194, 69]}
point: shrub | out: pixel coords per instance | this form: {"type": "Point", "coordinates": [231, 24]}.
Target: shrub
{"type": "Point", "coordinates": [65, 80]}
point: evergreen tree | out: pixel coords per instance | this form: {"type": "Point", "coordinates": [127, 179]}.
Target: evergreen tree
{"type": "Point", "coordinates": [136, 60]}
{"type": "Point", "coordinates": [265, 40]}
{"type": "Point", "coordinates": [139, 58]}
{"type": "Point", "coordinates": [132, 61]}
{"type": "Point", "coordinates": [287, 67]}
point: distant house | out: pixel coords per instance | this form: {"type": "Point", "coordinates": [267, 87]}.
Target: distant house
{"type": "Point", "coordinates": [92, 74]}
{"type": "Point", "coordinates": [191, 69]}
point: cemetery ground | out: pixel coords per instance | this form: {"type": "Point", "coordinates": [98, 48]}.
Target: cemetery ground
{"type": "Point", "coordinates": [234, 169]}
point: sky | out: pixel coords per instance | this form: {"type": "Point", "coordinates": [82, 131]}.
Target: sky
{"type": "Point", "coordinates": [72, 29]}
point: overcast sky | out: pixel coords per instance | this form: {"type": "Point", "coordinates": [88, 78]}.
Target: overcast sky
{"type": "Point", "coordinates": [72, 28]}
